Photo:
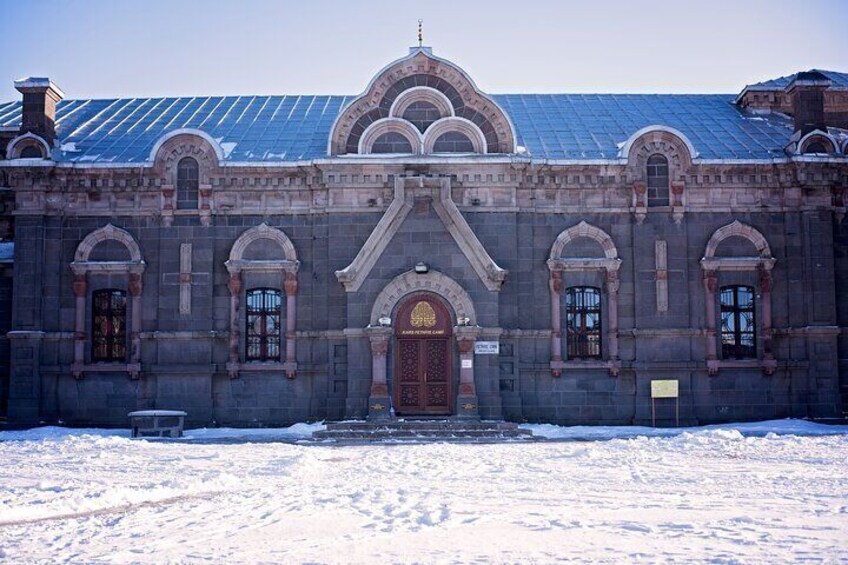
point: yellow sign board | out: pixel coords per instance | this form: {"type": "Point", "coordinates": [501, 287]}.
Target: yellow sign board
{"type": "Point", "coordinates": [664, 389]}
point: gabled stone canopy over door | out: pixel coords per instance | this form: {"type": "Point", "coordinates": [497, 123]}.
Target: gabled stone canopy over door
{"type": "Point", "coordinates": [412, 192]}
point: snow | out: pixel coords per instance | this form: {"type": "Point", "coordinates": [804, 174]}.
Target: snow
{"type": "Point", "coordinates": [227, 147]}
{"type": "Point", "coordinates": [772, 492]}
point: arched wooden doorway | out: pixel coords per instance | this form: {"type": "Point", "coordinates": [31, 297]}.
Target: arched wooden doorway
{"type": "Point", "coordinates": [423, 383]}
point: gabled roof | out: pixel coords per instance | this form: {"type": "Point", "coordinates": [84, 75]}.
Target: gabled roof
{"type": "Point", "coordinates": [294, 128]}
{"type": "Point", "coordinates": [839, 80]}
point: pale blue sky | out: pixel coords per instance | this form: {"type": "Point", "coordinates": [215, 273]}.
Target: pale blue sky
{"type": "Point", "coordinates": [129, 48]}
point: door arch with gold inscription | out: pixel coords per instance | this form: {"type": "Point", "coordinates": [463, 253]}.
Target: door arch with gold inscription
{"type": "Point", "coordinates": [423, 383]}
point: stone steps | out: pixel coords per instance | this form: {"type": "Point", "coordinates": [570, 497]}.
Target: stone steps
{"type": "Point", "coordinates": [426, 430]}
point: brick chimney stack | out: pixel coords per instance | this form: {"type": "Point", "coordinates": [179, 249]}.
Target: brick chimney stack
{"type": "Point", "coordinates": [39, 113]}
{"type": "Point", "coordinates": [807, 92]}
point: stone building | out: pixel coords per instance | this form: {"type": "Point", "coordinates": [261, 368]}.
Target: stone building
{"type": "Point", "coordinates": [426, 249]}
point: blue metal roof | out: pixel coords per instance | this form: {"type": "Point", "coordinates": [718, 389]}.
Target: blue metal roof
{"type": "Point", "coordinates": [7, 251]}
{"type": "Point", "coordinates": [292, 128]}
{"type": "Point", "coordinates": [839, 80]}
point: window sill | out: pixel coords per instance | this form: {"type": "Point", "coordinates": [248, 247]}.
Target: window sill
{"type": "Point", "coordinates": [612, 365]}
{"type": "Point", "coordinates": [134, 369]}
{"type": "Point", "coordinates": [768, 365]}
{"type": "Point", "coordinates": [234, 369]}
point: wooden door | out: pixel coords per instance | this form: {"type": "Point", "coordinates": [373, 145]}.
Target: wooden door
{"type": "Point", "coordinates": [423, 384]}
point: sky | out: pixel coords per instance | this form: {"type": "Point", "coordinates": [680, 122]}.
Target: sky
{"type": "Point", "coordinates": [131, 48]}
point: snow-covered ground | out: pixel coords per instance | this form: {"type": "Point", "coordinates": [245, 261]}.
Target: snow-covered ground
{"type": "Point", "coordinates": [700, 495]}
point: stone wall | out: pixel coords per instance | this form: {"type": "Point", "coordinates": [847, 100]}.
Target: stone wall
{"type": "Point", "coordinates": [515, 211]}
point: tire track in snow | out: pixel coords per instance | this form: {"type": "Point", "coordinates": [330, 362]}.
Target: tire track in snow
{"type": "Point", "coordinates": [127, 507]}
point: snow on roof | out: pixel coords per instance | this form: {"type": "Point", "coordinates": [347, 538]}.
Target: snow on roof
{"type": "Point", "coordinates": [839, 80]}
{"type": "Point", "coordinates": [294, 128]}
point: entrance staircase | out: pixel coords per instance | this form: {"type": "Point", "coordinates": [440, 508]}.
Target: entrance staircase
{"type": "Point", "coordinates": [412, 430]}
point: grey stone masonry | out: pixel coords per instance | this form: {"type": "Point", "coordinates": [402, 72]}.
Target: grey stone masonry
{"type": "Point", "coordinates": [277, 299]}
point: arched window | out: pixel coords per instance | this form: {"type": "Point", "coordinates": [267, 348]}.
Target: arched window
{"type": "Point", "coordinates": [31, 152]}
{"type": "Point", "coordinates": [738, 329]}
{"type": "Point", "coordinates": [657, 180]}
{"type": "Point", "coordinates": [583, 322]}
{"type": "Point", "coordinates": [453, 142]}
{"type": "Point", "coordinates": [816, 147]}
{"type": "Point", "coordinates": [108, 325]}
{"type": "Point", "coordinates": [263, 324]}
{"type": "Point", "coordinates": [421, 114]}
{"type": "Point", "coordinates": [391, 142]}
{"type": "Point", "coordinates": [187, 184]}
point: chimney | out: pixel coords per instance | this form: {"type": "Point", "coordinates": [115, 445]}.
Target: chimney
{"type": "Point", "coordinates": [39, 114]}
{"type": "Point", "coordinates": [807, 93]}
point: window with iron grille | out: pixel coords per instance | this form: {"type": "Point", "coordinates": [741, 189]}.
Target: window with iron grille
{"type": "Point", "coordinates": [657, 180]}
{"type": "Point", "coordinates": [187, 184]}
{"type": "Point", "coordinates": [264, 307]}
{"type": "Point", "coordinates": [583, 322]}
{"type": "Point", "coordinates": [108, 325]}
{"type": "Point", "coordinates": [738, 326]}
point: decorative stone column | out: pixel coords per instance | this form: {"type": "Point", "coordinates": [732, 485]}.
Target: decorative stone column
{"type": "Point", "coordinates": [555, 284]}
{"type": "Point", "coordinates": [80, 292]}
{"type": "Point", "coordinates": [769, 362]}
{"type": "Point", "coordinates": [678, 207]}
{"type": "Point", "coordinates": [466, 400]}
{"type": "Point", "coordinates": [205, 201]}
{"type": "Point", "coordinates": [290, 285]}
{"type": "Point", "coordinates": [167, 205]}
{"type": "Point", "coordinates": [613, 284]}
{"type": "Point", "coordinates": [710, 288]}
{"type": "Point", "coordinates": [235, 292]}
{"type": "Point", "coordinates": [639, 201]}
{"type": "Point", "coordinates": [379, 404]}
{"type": "Point", "coordinates": [135, 287]}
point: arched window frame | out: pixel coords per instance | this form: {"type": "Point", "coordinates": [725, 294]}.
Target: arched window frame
{"type": "Point", "coordinates": [282, 270]}
{"type": "Point", "coordinates": [386, 125]}
{"type": "Point", "coordinates": [562, 271]}
{"type": "Point", "coordinates": [657, 180]}
{"type": "Point", "coordinates": [129, 273]}
{"type": "Point", "coordinates": [23, 142]}
{"type": "Point", "coordinates": [816, 143]}
{"type": "Point", "coordinates": [754, 271]}
{"type": "Point", "coordinates": [188, 183]}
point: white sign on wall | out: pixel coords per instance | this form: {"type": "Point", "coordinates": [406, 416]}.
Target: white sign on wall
{"type": "Point", "coordinates": [486, 348]}
{"type": "Point", "coordinates": [467, 363]}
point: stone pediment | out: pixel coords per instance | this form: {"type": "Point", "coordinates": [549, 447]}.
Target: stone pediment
{"type": "Point", "coordinates": [407, 189]}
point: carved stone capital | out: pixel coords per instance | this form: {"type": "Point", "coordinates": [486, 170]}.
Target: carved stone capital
{"type": "Point", "coordinates": [466, 345]}
{"type": "Point", "coordinates": [290, 284]}
{"type": "Point", "coordinates": [135, 284]}
{"type": "Point", "coordinates": [235, 284]}
{"type": "Point", "coordinates": [80, 286]}
{"type": "Point", "coordinates": [556, 282]}
{"type": "Point", "coordinates": [765, 278]}
{"type": "Point", "coordinates": [710, 281]}
{"type": "Point", "coordinates": [613, 281]}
